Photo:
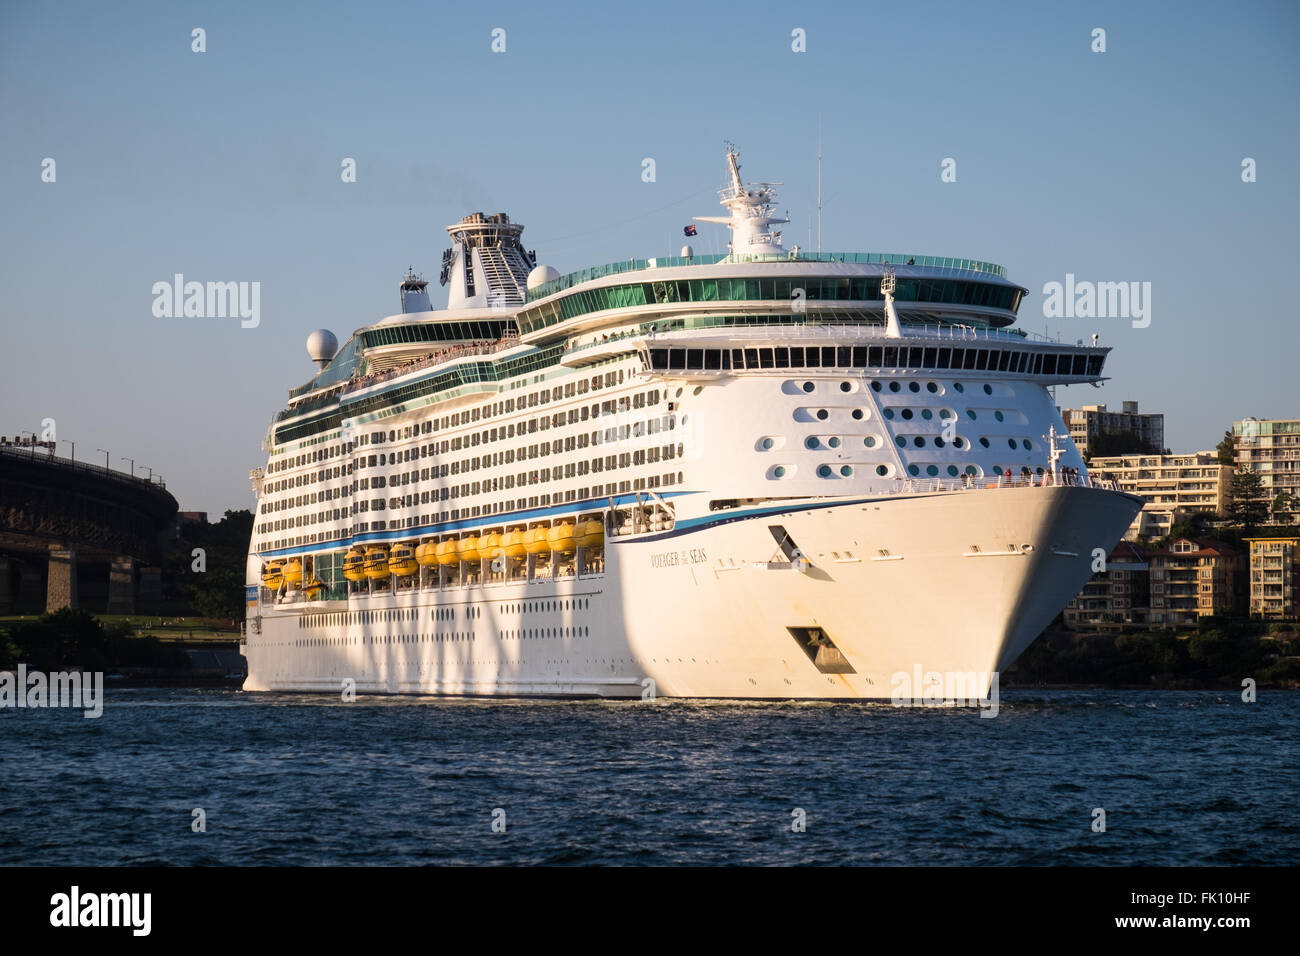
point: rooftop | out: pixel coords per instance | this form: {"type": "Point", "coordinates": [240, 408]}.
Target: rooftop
{"type": "Point", "coordinates": [901, 259]}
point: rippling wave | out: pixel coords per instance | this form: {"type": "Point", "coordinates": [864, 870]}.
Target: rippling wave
{"type": "Point", "coordinates": [1185, 778]}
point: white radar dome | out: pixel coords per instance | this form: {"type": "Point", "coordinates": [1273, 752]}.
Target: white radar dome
{"type": "Point", "coordinates": [321, 346]}
{"type": "Point", "coordinates": [687, 252]}
{"type": "Point", "coordinates": [542, 275]}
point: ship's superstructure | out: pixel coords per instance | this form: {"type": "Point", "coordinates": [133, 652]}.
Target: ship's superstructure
{"type": "Point", "coordinates": [764, 474]}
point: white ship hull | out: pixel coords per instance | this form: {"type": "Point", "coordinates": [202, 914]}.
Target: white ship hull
{"type": "Point", "coordinates": [951, 583]}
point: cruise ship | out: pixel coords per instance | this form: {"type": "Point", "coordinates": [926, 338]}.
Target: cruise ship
{"type": "Point", "coordinates": [765, 474]}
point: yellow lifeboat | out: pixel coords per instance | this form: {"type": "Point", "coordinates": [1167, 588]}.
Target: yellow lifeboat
{"type": "Point", "coordinates": [536, 541]}
{"type": "Point", "coordinates": [376, 563]}
{"type": "Point", "coordinates": [354, 566]}
{"type": "Point", "coordinates": [467, 549]}
{"type": "Point", "coordinates": [273, 575]}
{"type": "Point", "coordinates": [401, 561]}
{"type": "Point", "coordinates": [446, 552]}
{"type": "Point", "coordinates": [314, 589]}
{"type": "Point", "coordinates": [513, 544]}
{"type": "Point", "coordinates": [562, 537]}
{"type": "Point", "coordinates": [489, 546]}
{"type": "Point", "coordinates": [427, 554]}
{"type": "Point", "coordinates": [591, 534]}
{"type": "Point", "coordinates": [293, 573]}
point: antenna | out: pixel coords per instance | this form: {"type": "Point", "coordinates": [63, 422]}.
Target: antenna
{"type": "Point", "coordinates": [893, 328]}
{"type": "Point", "coordinates": [819, 183]}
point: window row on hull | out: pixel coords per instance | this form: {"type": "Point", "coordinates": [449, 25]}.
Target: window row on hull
{"type": "Point", "coordinates": [876, 356]}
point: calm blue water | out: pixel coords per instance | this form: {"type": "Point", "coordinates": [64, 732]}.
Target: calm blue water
{"type": "Point", "coordinates": [1185, 778]}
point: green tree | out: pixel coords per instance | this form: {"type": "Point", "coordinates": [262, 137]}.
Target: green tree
{"type": "Point", "coordinates": [217, 590]}
{"type": "Point", "coordinates": [1227, 449]}
{"type": "Point", "coordinates": [1248, 507]}
{"type": "Point", "coordinates": [1284, 507]}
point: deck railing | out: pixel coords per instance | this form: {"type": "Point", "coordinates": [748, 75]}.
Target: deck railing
{"type": "Point", "coordinates": [832, 330]}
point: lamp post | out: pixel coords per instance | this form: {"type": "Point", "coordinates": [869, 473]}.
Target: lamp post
{"type": "Point", "coordinates": [105, 451]}
{"type": "Point", "coordinates": [132, 461]}
{"type": "Point", "coordinates": [74, 447]}
{"type": "Point", "coordinates": [150, 470]}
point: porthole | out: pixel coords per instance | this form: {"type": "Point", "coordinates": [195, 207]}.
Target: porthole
{"type": "Point", "coordinates": [907, 414]}
{"type": "Point", "coordinates": [952, 470]}
{"type": "Point", "coordinates": [1025, 442]}
{"type": "Point", "coordinates": [938, 443]}
{"type": "Point", "coordinates": [999, 416]}
{"type": "Point", "coordinates": [869, 441]}
{"type": "Point", "coordinates": [984, 441]}
{"type": "Point", "coordinates": [808, 386]}
{"type": "Point", "coordinates": [913, 470]}
{"type": "Point", "coordinates": [931, 387]}
{"type": "Point", "coordinates": [894, 386]}
{"type": "Point", "coordinates": [846, 386]}
{"type": "Point", "coordinates": [927, 414]}
{"type": "Point", "coordinates": [822, 414]}
{"type": "Point", "coordinates": [834, 443]}
{"type": "Point", "coordinates": [959, 386]}
{"type": "Point", "coordinates": [846, 471]}
{"type": "Point", "coordinates": [857, 414]}
{"type": "Point", "coordinates": [1011, 443]}
{"type": "Point", "coordinates": [824, 471]}
{"type": "Point", "coordinates": [970, 413]}
{"type": "Point", "coordinates": [997, 469]}
{"type": "Point", "coordinates": [900, 441]}
{"type": "Point", "coordinates": [1040, 471]}
{"type": "Point", "coordinates": [811, 442]}
{"type": "Point", "coordinates": [918, 441]}
{"type": "Point", "coordinates": [914, 386]}
{"type": "Point", "coordinates": [988, 389]}
{"type": "Point", "coordinates": [875, 386]}
{"type": "Point", "coordinates": [767, 444]}
{"type": "Point", "coordinates": [932, 470]}
{"type": "Point", "coordinates": [882, 470]}
{"type": "Point", "coordinates": [698, 390]}
{"type": "Point", "coordinates": [945, 413]}
{"type": "Point", "coordinates": [971, 470]}
{"type": "Point", "coordinates": [779, 471]}
{"type": "Point", "coordinates": [889, 414]}
{"type": "Point", "coordinates": [958, 442]}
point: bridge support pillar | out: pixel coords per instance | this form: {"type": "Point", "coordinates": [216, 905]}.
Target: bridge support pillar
{"type": "Point", "coordinates": [6, 586]}
{"type": "Point", "coordinates": [151, 584]}
{"type": "Point", "coordinates": [61, 582]}
{"type": "Point", "coordinates": [121, 585]}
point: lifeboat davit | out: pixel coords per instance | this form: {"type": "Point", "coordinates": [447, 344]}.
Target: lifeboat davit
{"type": "Point", "coordinates": [591, 534]}
{"type": "Point", "coordinates": [536, 541]}
{"type": "Point", "coordinates": [513, 544]}
{"type": "Point", "coordinates": [401, 561]}
{"type": "Point", "coordinates": [562, 537]}
{"type": "Point", "coordinates": [354, 566]}
{"type": "Point", "coordinates": [376, 564]}
{"type": "Point", "coordinates": [315, 589]}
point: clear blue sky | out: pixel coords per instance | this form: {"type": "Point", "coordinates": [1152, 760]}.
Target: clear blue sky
{"type": "Point", "coordinates": [1123, 165]}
